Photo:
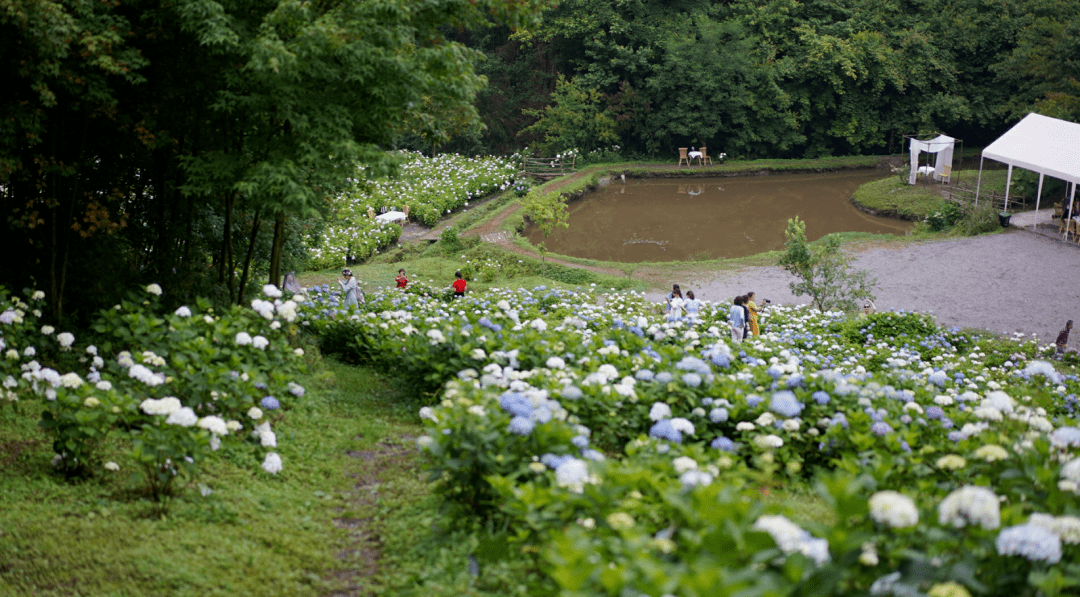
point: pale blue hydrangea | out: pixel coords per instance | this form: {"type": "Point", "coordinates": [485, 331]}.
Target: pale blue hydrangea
{"type": "Point", "coordinates": [270, 403]}
{"type": "Point", "coordinates": [580, 441]}
{"type": "Point", "coordinates": [753, 400]}
{"type": "Point", "coordinates": [785, 404]}
{"type": "Point", "coordinates": [1064, 437]}
{"type": "Point", "coordinates": [934, 413]}
{"type": "Point", "coordinates": [881, 428]}
{"type": "Point", "coordinates": [692, 379]}
{"type": "Point", "coordinates": [664, 377]}
{"type": "Point", "coordinates": [820, 397]}
{"type": "Point", "coordinates": [571, 393]}
{"type": "Point", "coordinates": [938, 378]}
{"type": "Point", "coordinates": [553, 461]}
{"type": "Point", "coordinates": [1035, 543]}
{"type": "Point", "coordinates": [521, 425]}
{"type": "Point", "coordinates": [644, 375]}
{"type": "Point", "coordinates": [516, 403]}
{"type": "Point", "coordinates": [718, 415]}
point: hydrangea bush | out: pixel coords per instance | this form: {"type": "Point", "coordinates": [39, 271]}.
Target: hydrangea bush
{"type": "Point", "coordinates": [629, 446]}
{"type": "Point", "coordinates": [430, 187]}
{"type": "Point", "coordinates": [172, 387]}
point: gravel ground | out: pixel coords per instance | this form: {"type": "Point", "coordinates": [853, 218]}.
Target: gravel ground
{"type": "Point", "coordinates": [1012, 282]}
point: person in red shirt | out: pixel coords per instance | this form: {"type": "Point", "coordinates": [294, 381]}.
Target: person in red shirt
{"type": "Point", "coordinates": [459, 285]}
{"type": "Point", "coordinates": [402, 281]}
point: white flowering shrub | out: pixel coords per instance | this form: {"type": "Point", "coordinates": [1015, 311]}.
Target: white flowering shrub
{"type": "Point", "coordinates": [430, 187]}
{"type": "Point", "coordinates": [176, 386]}
{"type": "Point", "coordinates": [609, 434]}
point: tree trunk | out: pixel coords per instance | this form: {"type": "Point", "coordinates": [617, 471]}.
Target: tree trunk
{"type": "Point", "coordinates": [247, 259]}
{"type": "Point", "coordinates": [226, 247]}
{"type": "Point", "coordinates": [276, 249]}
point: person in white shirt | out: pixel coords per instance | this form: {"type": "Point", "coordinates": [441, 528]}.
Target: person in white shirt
{"type": "Point", "coordinates": [737, 317]}
{"type": "Point", "coordinates": [349, 287]}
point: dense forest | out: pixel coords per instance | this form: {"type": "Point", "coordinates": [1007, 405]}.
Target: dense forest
{"type": "Point", "coordinates": [190, 142]}
{"type": "Point", "coordinates": [775, 78]}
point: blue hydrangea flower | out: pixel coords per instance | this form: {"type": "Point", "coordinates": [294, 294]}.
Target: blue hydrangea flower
{"type": "Point", "coordinates": [724, 444]}
{"type": "Point", "coordinates": [644, 375]}
{"type": "Point", "coordinates": [720, 361]}
{"type": "Point", "coordinates": [580, 441]}
{"type": "Point", "coordinates": [934, 413]}
{"type": "Point", "coordinates": [718, 415]}
{"type": "Point", "coordinates": [795, 381]}
{"type": "Point", "coordinates": [664, 430]}
{"type": "Point", "coordinates": [270, 403]}
{"type": "Point", "coordinates": [955, 436]}
{"type": "Point", "coordinates": [938, 378]}
{"type": "Point", "coordinates": [775, 372]}
{"type": "Point", "coordinates": [785, 404]}
{"type": "Point", "coordinates": [692, 379]}
{"type": "Point", "coordinates": [947, 423]}
{"type": "Point", "coordinates": [554, 461]}
{"type": "Point", "coordinates": [521, 425]}
{"type": "Point", "coordinates": [516, 403]}
{"type": "Point", "coordinates": [664, 377]}
{"type": "Point", "coordinates": [881, 428]}
{"type": "Point", "coordinates": [753, 400]}
{"type": "Point", "coordinates": [820, 397]}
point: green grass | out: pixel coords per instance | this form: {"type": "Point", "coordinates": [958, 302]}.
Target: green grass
{"type": "Point", "coordinates": [256, 534]}
{"type": "Point", "coordinates": [894, 197]}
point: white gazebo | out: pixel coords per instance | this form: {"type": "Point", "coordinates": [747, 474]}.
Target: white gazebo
{"type": "Point", "coordinates": [1045, 145]}
{"type": "Point", "coordinates": [943, 146]}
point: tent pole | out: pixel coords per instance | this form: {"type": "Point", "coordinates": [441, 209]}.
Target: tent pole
{"type": "Point", "coordinates": [1008, 183]}
{"type": "Point", "coordinates": [1038, 196]}
{"type": "Point", "coordinates": [978, 182]}
{"type": "Point", "coordinates": [1072, 201]}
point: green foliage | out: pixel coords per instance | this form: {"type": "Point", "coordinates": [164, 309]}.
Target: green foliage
{"type": "Point", "coordinates": [824, 271]}
{"type": "Point", "coordinates": [945, 217]}
{"type": "Point", "coordinates": [888, 325]}
{"type": "Point", "coordinates": [450, 242]}
{"type": "Point", "coordinates": [978, 220]}
{"type": "Point", "coordinates": [578, 117]}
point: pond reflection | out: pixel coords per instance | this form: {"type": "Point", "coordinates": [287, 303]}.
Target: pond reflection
{"type": "Point", "coordinates": [711, 218]}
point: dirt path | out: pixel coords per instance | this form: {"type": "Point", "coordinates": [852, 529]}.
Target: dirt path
{"type": "Point", "coordinates": [1016, 281]}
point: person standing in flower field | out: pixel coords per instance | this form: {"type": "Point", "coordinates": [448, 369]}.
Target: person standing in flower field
{"type": "Point", "coordinates": [401, 280]}
{"type": "Point", "coordinates": [737, 318]}
{"type": "Point", "coordinates": [1063, 338]}
{"type": "Point", "coordinates": [349, 287]}
{"type": "Point", "coordinates": [459, 285]}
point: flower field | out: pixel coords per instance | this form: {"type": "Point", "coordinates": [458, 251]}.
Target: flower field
{"type": "Point", "coordinates": [430, 187]}
{"type": "Point", "coordinates": [168, 388]}
{"type": "Point", "coordinates": [628, 450]}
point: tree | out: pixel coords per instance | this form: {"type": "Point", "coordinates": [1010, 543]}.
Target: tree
{"type": "Point", "coordinates": [825, 271]}
{"type": "Point", "coordinates": [548, 212]}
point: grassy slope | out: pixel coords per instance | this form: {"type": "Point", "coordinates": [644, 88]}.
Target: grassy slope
{"type": "Point", "coordinates": [256, 534]}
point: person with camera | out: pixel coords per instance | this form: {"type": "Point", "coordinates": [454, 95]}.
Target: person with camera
{"type": "Point", "coordinates": [754, 310]}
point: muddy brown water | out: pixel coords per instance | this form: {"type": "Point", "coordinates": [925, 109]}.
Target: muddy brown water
{"type": "Point", "coordinates": [710, 218]}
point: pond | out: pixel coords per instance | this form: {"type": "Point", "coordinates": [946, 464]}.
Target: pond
{"type": "Point", "coordinates": [674, 219]}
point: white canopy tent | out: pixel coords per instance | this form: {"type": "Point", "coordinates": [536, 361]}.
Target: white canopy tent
{"type": "Point", "coordinates": [1045, 145]}
{"type": "Point", "coordinates": [943, 146]}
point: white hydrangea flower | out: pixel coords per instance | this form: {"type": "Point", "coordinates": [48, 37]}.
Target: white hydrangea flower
{"type": "Point", "coordinates": [182, 312]}
{"type": "Point", "coordinates": [683, 464]}
{"type": "Point", "coordinates": [260, 342]}
{"type": "Point", "coordinates": [271, 291]}
{"type": "Point", "coordinates": [154, 289]}
{"type": "Point", "coordinates": [970, 504]}
{"type": "Point", "coordinates": [573, 474]}
{"type": "Point", "coordinates": [71, 380]}
{"type": "Point", "coordinates": [162, 406]}
{"type": "Point", "coordinates": [214, 424]}
{"type": "Point", "coordinates": [894, 509]}
{"type": "Point", "coordinates": [272, 463]}
{"type": "Point", "coordinates": [255, 413]}
{"type": "Point", "coordinates": [768, 442]}
{"type": "Point", "coordinates": [47, 330]}
{"type": "Point", "coordinates": [790, 538]}
{"type": "Point", "coordinates": [185, 417]}
{"type": "Point", "coordinates": [66, 339]}
{"type": "Point", "coordinates": [659, 410]}
{"type": "Point", "coordinates": [243, 339]}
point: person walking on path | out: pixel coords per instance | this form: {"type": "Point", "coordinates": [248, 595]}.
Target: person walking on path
{"type": "Point", "coordinates": [459, 285]}
{"type": "Point", "coordinates": [753, 310]}
{"type": "Point", "coordinates": [1063, 338]}
{"type": "Point", "coordinates": [737, 318]}
{"type": "Point", "coordinates": [401, 280]}
{"type": "Point", "coordinates": [349, 287]}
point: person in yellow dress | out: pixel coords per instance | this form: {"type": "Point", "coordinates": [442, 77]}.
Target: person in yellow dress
{"type": "Point", "coordinates": [754, 310]}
